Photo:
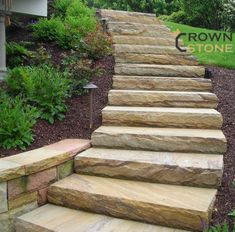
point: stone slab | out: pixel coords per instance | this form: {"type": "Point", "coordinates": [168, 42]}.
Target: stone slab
{"type": "Point", "coordinates": [152, 203]}
{"type": "Point", "coordinates": [65, 169]}
{"type": "Point", "coordinates": [3, 197]}
{"type": "Point", "coordinates": [59, 219]}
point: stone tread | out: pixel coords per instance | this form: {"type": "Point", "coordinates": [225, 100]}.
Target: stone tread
{"type": "Point", "coordinates": [160, 70]}
{"type": "Point", "coordinates": [160, 139]}
{"type": "Point", "coordinates": [161, 167]}
{"type": "Point", "coordinates": [132, 199]}
{"type": "Point", "coordinates": [162, 117]}
{"type": "Point", "coordinates": [52, 218]}
{"type": "Point", "coordinates": [162, 98]}
{"type": "Point", "coordinates": [161, 83]}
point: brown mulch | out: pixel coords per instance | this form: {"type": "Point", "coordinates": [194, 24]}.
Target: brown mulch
{"type": "Point", "coordinates": [224, 87]}
{"type": "Point", "coordinates": [76, 123]}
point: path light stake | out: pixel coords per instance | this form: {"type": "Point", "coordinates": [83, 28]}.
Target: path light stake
{"type": "Point", "coordinates": [91, 87]}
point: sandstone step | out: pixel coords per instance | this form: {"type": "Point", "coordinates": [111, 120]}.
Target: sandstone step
{"type": "Point", "coordinates": [159, 70]}
{"type": "Point", "coordinates": [162, 117]}
{"type": "Point", "coordinates": [162, 98]}
{"type": "Point", "coordinates": [52, 218]}
{"type": "Point", "coordinates": [127, 49]}
{"type": "Point", "coordinates": [116, 26]}
{"type": "Point", "coordinates": [190, 169]}
{"type": "Point", "coordinates": [160, 139]}
{"type": "Point", "coordinates": [161, 83]}
{"type": "Point", "coordinates": [140, 40]}
{"type": "Point", "coordinates": [135, 58]}
{"type": "Point", "coordinates": [148, 202]}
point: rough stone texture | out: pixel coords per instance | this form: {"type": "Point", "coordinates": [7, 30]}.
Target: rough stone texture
{"type": "Point", "coordinates": [42, 196]}
{"type": "Point", "coordinates": [10, 170]}
{"type": "Point", "coordinates": [65, 169]}
{"type": "Point", "coordinates": [49, 156]}
{"type": "Point", "coordinates": [3, 197]}
{"type": "Point", "coordinates": [162, 99]}
{"type": "Point", "coordinates": [32, 182]}
{"type": "Point", "coordinates": [7, 219]}
{"type": "Point", "coordinates": [57, 219]}
{"type": "Point", "coordinates": [161, 83]}
{"type": "Point", "coordinates": [160, 139]}
{"type": "Point", "coordinates": [203, 170]}
{"type": "Point", "coordinates": [155, 59]}
{"type": "Point", "coordinates": [132, 199]}
{"type": "Point", "coordinates": [22, 200]}
{"type": "Point", "coordinates": [138, 40]}
{"type": "Point", "coordinates": [162, 117]}
{"type": "Point", "coordinates": [123, 49]}
{"type": "Point", "coordinates": [159, 70]}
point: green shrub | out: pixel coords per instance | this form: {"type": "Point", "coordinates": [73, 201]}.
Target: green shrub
{"type": "Point", "coordinates": [49, 29]}
{"type": "Point", "coordinates": [16, 122]}
{"type": "Point", "coordinates": [43, 87]}
{"type": "Point", "coordinates": [178, 17]}
{"type": "Point", "coordinates": [17, 54]}
{"type": "Point", "coordinates": [61, 6]}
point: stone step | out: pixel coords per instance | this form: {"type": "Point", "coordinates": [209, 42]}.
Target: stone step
{"type": "Point", "coordinates": [162, 117]}
{"type": "Point", "coordinates": [160, 139]}
{"type": "Point", "coordinates": [190, 169]}
{"type": "Point", "coordinates": [140, 40]}
{"type": "Point", "coordinates": [52, 218]}
{"type": "Point", "coordinates": [161, 83]}
{"type": "Point", "coordinates": [153, 203]}
{"type": "Point", "coordinates": [135, 58]}
{"type": "Point", "coordinates": [127, 49]}
{"type": "Point", "coordinates": [137, 27]}
{"type": "Point", "coordinates": [160, 70]}
{"type": "Point", "coordinates": [162, 98]}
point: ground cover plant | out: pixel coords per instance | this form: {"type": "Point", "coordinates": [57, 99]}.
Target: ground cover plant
{"type": "Point", "coordinates": [49, 63]}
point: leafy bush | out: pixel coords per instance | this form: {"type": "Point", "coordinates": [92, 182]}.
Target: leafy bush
{"type": "Point", "coordinates": [16, 122]}
{"type": "Point", "coordinates": [81, 72]}
{"type": "Point", "coordinates": [52, 29]}
{"type": "Point", "coordinates": [178, 17]}
{"type": "Point", "coordinates": [17, 54]}
{"type": "Point", "coordinates": [43, 87]}
{"type": "Point", "coordinates": [97, 44]}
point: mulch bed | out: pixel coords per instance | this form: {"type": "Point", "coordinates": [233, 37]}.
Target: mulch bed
{"type": "Point", "coordinates": [76, 123]}
{"type": "Point", "coordinates": [224, 87]}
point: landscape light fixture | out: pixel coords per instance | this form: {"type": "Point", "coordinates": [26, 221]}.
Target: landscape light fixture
{"type": "Point", "coordinates": [21, 7]}
{"type": "Point", "coordinates": [91, 87]}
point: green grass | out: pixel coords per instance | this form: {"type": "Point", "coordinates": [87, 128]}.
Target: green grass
{"type": "Point", "coordinates": [221, 59]}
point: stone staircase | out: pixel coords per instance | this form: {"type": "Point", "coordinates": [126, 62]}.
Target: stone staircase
{"type": "Point", "coordinates": [157, 158]}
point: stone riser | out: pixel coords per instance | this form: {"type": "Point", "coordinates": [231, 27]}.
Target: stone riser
{"type": "Point", "coordinates": [164, 168]}
{"type": "Point", "coordinates": [161, 83]}
{"type": "Point", "coordinates": [143, 139]}
{"type": "Point", "coordinates": [155, 59]}
{"type": "Point", "coordinates": [159, 70]}
{"type": "Point", "coordinates": [122, 206]}
{"type": "Point", "coordinates": [124, 117]}
{"type": "Point", "coordinates": [162, 99]}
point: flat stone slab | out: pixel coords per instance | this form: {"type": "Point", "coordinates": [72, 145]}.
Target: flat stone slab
{"type": "Point", "coordinates": [160, 70]}
{"type": "Point", "coordinates": [51, 218]}
{"type": "Point", "coordinates": [41, 159]}
{"type": "Point", "coordinates": [161, 83]}
{"type": "Point", "coordinates": [153, 203]}
{"type": "Point", "coordinates": [190, 169]}
{"type": "Point", "coordinates": [162, 99]}
{"type": "Point", "coordinates": [162, 117]}
{"type": "Point", "coordinates": [161, 139]}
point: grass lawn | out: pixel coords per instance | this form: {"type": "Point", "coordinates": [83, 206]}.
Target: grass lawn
{"type": "Point", "coordinates": [217, 58]}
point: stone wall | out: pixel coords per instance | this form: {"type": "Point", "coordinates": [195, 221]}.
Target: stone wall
{"type": "Point", "coordinates": [24, 178]}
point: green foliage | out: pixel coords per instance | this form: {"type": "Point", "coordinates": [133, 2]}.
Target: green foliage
{"type": "Point", "coordinates": [178, 17]}
{"type": "Point", "coordinates": [43, 87]}
{"type": "Point", "coordinates": [17, 54]}
{"type": "Point", "coordinates": [73, 21]}
{"type": "Point", "coordinates": [16, 122]}
{"type": "Point", "coordinates": [221, 228]}
{"type": "Point", "coordinates": [81, 72]}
